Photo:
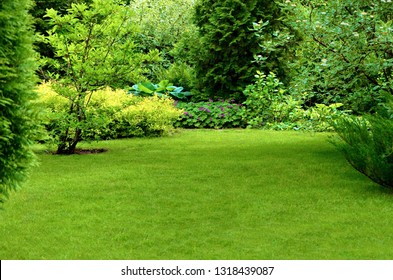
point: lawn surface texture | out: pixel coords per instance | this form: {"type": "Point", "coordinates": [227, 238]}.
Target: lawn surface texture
{"type": "Point", "coordinates": [200, 194]}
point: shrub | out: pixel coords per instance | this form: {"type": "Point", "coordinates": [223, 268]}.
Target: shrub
{"type": "Point", "coordinates": [153, 116]}
{"type": "Point", "coordinates": [17, 117]}
{"type": "Point", "coordinates": [269, 106]}
{"type": "Point", "coordinates": [219, 114]}
{"type": "Point", "coordinates": [228, 43]}
{"type": "Point", "coordinates": [111, 114]}
{"type": "Point", "coordinates": [367, 143]}
{"type": "Point", "coordinates": [265, 101]}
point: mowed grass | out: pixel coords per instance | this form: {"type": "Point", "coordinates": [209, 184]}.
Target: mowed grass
{"type": "Point", "coordinates": [231, 194]}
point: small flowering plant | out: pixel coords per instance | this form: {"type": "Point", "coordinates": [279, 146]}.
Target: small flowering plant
{"type": "Point", "coordinates": [210, 114]}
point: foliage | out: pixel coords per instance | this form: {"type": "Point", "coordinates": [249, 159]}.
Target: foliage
{"type": "Point", "coordinates": [269, 106]}
{"type": "Point", "coordinates": [42, 26]}
{"type": "Point", "coordinates": [179, 73]}
{"type": "Point", "coordinates": [153, 116]}
{"type": "Point", "coordinates": [367, 143]}
{"type": "Point", "coordinates": [162, 24]}
{"type": "Point", "coordinates": [226, 64]}
{"type": "Point", "coordinates": [17, 113]}
{"type": "Point", "coordinates": [277, 46]}
{"type": "Point", "coordinates": [211, 114]}
{"type": "Point", "coordinates": [346, 55]}
{"type": "Point", "coordinates": [97, 49]}
{"type": "Point", "coordinates": [112, 114]}
{"type": "Point", "coordinates": [162, 89]}
{"type": "Point", "coordinates": [263, 98]}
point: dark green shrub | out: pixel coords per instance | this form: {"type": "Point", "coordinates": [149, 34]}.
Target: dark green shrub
{"type": "Point", "coordinates": [218, 114]}
{"type": "Point", "coordinates": [270, 106]}
{"type": "Point", "coordinates": [17, 118]}
{"type": "Point", "coordinates": [228, 43]}
{"type": "Point", "coordinates": [367, 143]}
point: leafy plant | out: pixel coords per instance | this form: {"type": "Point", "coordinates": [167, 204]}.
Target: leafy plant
{"type": "Point", "coordinates": [211, 114]}
{"type": "Point", "coordinates": [96, 47]}
{"type": "Point", "coordinates": [112, 114]}
{"type": "Point", "coordinates": [266, 100]}
{"type": "Point", "coordinates": [162, 89]}
{"type": "Point", "coordinates": [41, 26]}
{"type": "Point", "coordinates": [179, 73]}
{"type": "Point", "coordinates": [268, 105]}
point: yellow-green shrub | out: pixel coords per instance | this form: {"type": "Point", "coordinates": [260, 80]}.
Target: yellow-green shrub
{"type": "Point", "coordinates": [108, 98]}
{"type": "Point", "coordinates": [50, 99]}
{"type": "Point", "coordinates": [151, 117]}
{"type": "Point", "coordinates": [53, 110]}
{"type": "Point", "coordinates": [110, 114]}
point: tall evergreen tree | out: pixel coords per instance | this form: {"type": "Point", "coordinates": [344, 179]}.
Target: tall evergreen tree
{"type": "Point", "coordinates": [16, 93]}
{"type": "Point", "coordinates": [229, 43]}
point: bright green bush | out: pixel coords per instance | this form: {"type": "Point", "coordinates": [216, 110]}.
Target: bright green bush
{"type": "Point", "coordinates": [367, 143]}
{"type": "Point", "coordinates": [210, 114]}
{"type": "Point", "coordinates": [152, 116]}
{"type": "Point", "coordinates": [269, 106]}
{"type": "Point", "coordinates": [17, 117]}
{"type": "Point", "coordinates": [111, 114]}
{"type": "Point", "coordinates": [265, 101]}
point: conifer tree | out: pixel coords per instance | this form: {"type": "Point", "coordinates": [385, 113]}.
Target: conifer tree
{"type": "Point", "coordinates": [226, 63]}
{"type": "Point", "coordinates": [17, 80]}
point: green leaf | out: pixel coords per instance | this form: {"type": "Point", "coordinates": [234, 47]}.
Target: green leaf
{"type": "Point", "coordinates": [146, 87]}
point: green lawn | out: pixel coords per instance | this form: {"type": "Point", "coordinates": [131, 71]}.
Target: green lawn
{"type": "Point", "coordinates": [232, 194]}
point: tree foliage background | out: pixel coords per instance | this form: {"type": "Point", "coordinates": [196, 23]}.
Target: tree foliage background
{"type": "Point", "coordinates": [346, 55]}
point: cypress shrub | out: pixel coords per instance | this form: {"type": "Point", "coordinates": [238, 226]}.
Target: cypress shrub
{"type": "Point", "coordinates": [17, 121]}
{"type": "Point", "coordinates": [228, 43]}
